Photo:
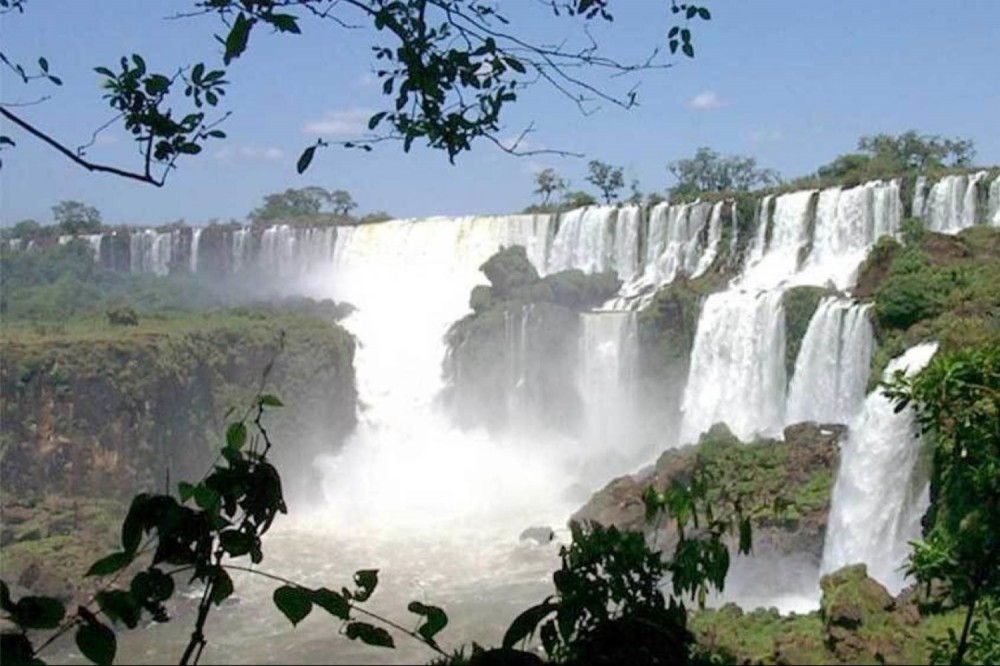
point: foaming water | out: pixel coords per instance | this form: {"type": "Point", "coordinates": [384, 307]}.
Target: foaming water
{"type": "Point", "coordinates": [880, 493]}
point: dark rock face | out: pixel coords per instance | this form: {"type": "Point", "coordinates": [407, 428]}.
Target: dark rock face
{"type": "Point", "coordinates": [800, 469]}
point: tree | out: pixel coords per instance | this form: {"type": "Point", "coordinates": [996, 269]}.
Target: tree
{"type": "Point", "coordinates": [547, 183]}
{"type": "Point", "coordinates": [342, 203]}
{"type": "Point", "coordinates": [292, 203]}
{"type": "Point", "coordinates": [75, 217]}
{"type": "Point", "coordinates": [448, 69]}
{"type": "Point", "coordinates": [578, 199]}
{"type": "Point", "coordinates": [957, 400]}
{"type": "Point", "coordinates": [608, 179]}
{"type": "Point", "coordinates": [883, 155]}
{"type": "Point", "coordinates": [708, 171]}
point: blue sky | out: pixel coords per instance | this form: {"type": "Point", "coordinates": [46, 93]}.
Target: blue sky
{"type": "Point", "coordinates": [792, 83]}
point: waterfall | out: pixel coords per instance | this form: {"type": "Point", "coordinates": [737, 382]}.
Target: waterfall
{"type": "Point", "coordinates": [737, 373]}
{"type": "Point", "coordinates": [994, 202]}
{"type": "Point", "coordinates": [952, 204]}
{"type": "Point", "coordinates": [831, 371]}
{"type": "Point", "coordinates": [609, 353]}
{"type": "Point", "coordinates": [775, 263]}
{"type": "Point", "coordinates": [585, 240]}
{"type": "Point", "coordinates": [919, 197]}
{"type": "Point", "coordinates": [763, 221]}
{"type": "Point", "coordinates": [516, 336]}
{"type": "Point", "coordinates": [406, 466]}
{"type": "Point", "coordinates": [712, 243]}
{"type": "Point", "coordinates": [626, 244]}
{"type": "Point", "coordinates": [674, 244]}
{"type": "Point", "coordinates": [847, 223]}
{"type": "Point", "coordinates": [195, 242]}
{"type": "Point", "coordinates": [880, 494]}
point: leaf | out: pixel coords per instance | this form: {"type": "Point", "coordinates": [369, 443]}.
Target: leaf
{"type": "Point", "coordinates": [305, 159]}
{"type": "Point", "coordinates": [206, 498]}
{"type": "Point", "coordinates": [17, 649]}
{"type": "Point", "coordinates": [333, 603]}
{"type": "Point", "coordinates": [104, 71]}
{"type": "Point", "coordinates": [673, 32]}
{"type": "Point", "coordinates": [236, 41]}
{"type": "Point", "coordinates": [376, 119]}
{"type": "Point", "coordinates": [746, 536]}
{"type": "Point", "coordinates": [691, 11]}
{"type": "Point", "coordinates": [55, 79]}
{"type": "Point", "coordinates": [370, 634]}
{"type": "Point", "coordinates": [367, 581]}
{"type": "Point", "coordinates": [152, 585]}
{"type": "Point", "coordinates": [6, 141]}
{"type": "Point", "coordinates": [5, 600]}
{"type": "Point", "coordinates": [270, 401]}
{"type": "Point", "coordinates": [44, 64]}
{"type": "Point", "coordinates": [97, 642]}
{"type": "Point", "coordinates": [134, 523]}
{"type": "Point", "coordinates": [222, 589]}
{"type": "Point", "coordinates": [293, 602]}
{"type": "Point", "coordinates": [688, 50]}
{"type": "Point", "coordinates": [38, 612]}
{"type": "Point", "coordinates": [119, 605]}
{"type": "Point", "coordinates": [110, 564]}
{"type": "Point", "coordinates": [284, 23]}
{"type": "Point", "coordinates": [524, 625]}
{"type": "Point", "coordinates": [236, 543]}
{"type": "Point", "coordinates": [704, 13]}
{"type": "Point", "coordinates": [436, 620]}
{"type": "Point", "coordinates": [236, 435]}
{"type": "Point", "coordinates": [197, 72]}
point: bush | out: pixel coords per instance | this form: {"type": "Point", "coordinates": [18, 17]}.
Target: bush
{"type": "Point", "coordinates": [122, 315]}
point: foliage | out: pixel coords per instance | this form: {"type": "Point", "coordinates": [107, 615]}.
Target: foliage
{"type": "Point", "coordinates": [74, 217]}
{"type": "Point", "coordinates": [306, 202]}
{"type": "Point", "coordinates": [508, 270]}
{"type": "Point", "coordinates": [886, 156]}
{"type": "Point", "coordinates": [122, 315]}
{"type": "Point", "coordinates": [708, 171]}
{"type": "Point", "coordinates": [448, 70]}
{"type": "Point", "coordinates": [547, 183]}
{"type": "Point", "coordinates": [957, 401]}
{"type": "Point", "coordinates": [606, 178]}
{"type": "Point", "coordinates": [578, 199]}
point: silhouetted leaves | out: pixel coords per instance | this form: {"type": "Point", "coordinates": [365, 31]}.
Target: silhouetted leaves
{"type": "Point", "coordinates": [110, 564]}
{"type": "Point", "coordinates": [96, 641]}
{"type": "Point", "coordinates": [305, 159]}
{"type": "Point", "coordinates": [333, 603]}
{"type": "Point", "coordinates": [294, 602]}
{"type": "Point", "coordinates": [435, 620]}
{"type": "Point", "coordinates": [370, 634]}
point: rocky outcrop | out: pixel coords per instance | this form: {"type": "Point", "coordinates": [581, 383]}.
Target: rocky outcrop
{"type": "Point", "coordinates": [797, 472]}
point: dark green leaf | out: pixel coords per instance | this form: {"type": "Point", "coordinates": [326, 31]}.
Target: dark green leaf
{"type": "Point", "coordinates": [44, 64]}
{"type": "Point", "coordinates": [367, 581]}
{"type": "Point", "coordinates": [5, 600]}
{"type": "Point", "coordinates": [524, 625]}
{"type": "Point", "coordinates": [236, 41]}
{"type": "Point", "coordinates": [110, 564]}
{"type": "Point", "coordinates": [206, 498]}
{"type": "Point", "coordinates": [435, 620]}
{"type": "Point", "coordinates": [746, 536]}
{"type": "Point", "coordinates": [688, 50]}
{"type": "Point", "coordinates": [704, 13]}
{"type": "Point", "coordinates": [152, 585]}
{"type": "Point", "coordinates": [271, 401]}
{"type": "Point", "coordinates": [135, 523]}
{"type": "Point", "coordinates": [333, 603]}
{"type": "Point", "coordinates": [97, 642]}
{"type": "Point", "coordinates": [17, 649]}
{"type": "Point", "coordinates": [236, 543]}
{"type": "Point", "coordinates": [370, 635]}
{"type": "Point", "coordinates": [104, 71]}
{"type": "Point", "coordinates": [691, 11]}
{"type": "Point", "coordinates": [121, 606]}
{"type": "Point", "coordinates": [6, 141]}
{"type": "Point", "coordinates": [55, 79]}
{"type": "Point", "coordinates": [222, 589]}
{"type": "Point", "coordinates": [236, 435]}
{"type": "Point", "coordinates": [197, 72]}
{"type": "Point", "coordinates": [376, 119]}
{"type": "Point", "coordinates": [673, 32]}
{"type": "Point", "coordinates": [185, 490]}
{"type": "Point", "coordinates": [38, 612]}
{"type": "Point", "coordinates": [305, 159]}
{"type": "Point", "coordinates": [284, 23]}
{"type": "Point", "coordinates": [293, 602]}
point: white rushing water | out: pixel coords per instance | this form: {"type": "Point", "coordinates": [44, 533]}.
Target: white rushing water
{"type": "Point", "coordinates": [953, 203]}
{"type": "Point", "coordinates": [737, 371]}
{"type": "Point", "coordinates": [880, 493]}
{"type": "Point", "coordinates": [609, 348]}
{"type": "Point", "coordinates": [993, 206]}
{"type": "Point", "coordinates": [831, 371]}
{"type": "Point", "coordinates": [195, 245]}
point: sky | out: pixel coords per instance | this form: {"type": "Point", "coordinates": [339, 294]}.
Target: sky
{"type": "Point", "coordinates": [791, 83]}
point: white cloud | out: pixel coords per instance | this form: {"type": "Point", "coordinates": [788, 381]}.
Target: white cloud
{"type": "Point", "coordinates": [709, 99]}
{"type": "Point", "coordinates": [348, 122]}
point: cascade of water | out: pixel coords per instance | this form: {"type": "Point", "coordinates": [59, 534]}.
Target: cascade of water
{"type": "Point", "coordinates": [675, 240]}
{"type": "Point", "coordinates": [240, 248]}
{"type": "Point", "coordinates": [737, 373]}
{"type": "Point", "coordinates": [994, 202]}
{"type": "Point", "coordinates": [831, 371]}
{"type": "Point", "coordinates": [919, 197]}
{"type": "Point", "coordinates": [880, 494]}
{"type": "Point", "coordinates": [770, 267]}
{"type": "Point", "coordinates": [952, 204]}
{"type": "Point", "coordinates": [734, 238]}
{"type": "Point", "coordinates": [847, 223]}
{"type": "Point", "coordinates": [609, 354]}
{"type": "Point", "coordinates": [759, 245]}
{"type": "Point", "coordinates": [712, 243]}
{"type": "Point", "coordinates": [585, 240]}
{"type": "Point", "coordinates": [627, 261]}
{"type": "Point", "coordinates": [407, 466]}
{"type": "Point", "coordinates": [195, 242]}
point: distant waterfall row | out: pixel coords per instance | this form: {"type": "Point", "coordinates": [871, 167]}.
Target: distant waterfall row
{"type": "Point", "coordinates": [958, 201]}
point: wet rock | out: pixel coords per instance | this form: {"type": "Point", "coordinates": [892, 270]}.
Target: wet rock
{"type": "Point", "coordinates": [540, 535]}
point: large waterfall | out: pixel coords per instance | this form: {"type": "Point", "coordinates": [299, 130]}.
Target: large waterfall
{"type": "Point", "coordinates": [828, 385]}
{"type": "Point", "coordinates": [880, 493]}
